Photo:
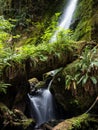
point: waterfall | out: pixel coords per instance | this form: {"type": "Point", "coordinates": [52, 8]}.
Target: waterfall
{"type": "Point", "coordinates": [42, 106]}
{"type": "Point", "coordinates": [65, 18]}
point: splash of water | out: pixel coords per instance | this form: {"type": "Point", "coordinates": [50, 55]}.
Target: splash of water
{"type": "Point", "coordinates": [65, 18]}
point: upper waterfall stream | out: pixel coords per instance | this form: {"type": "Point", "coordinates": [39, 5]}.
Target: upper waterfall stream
{"type": "Point", "coordinates": [66, 18]}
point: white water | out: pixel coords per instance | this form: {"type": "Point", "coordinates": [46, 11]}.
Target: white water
{"type": "Point", "coordinates": [42, 106]}
{"type": "Point", "coordinates": [66, 18]}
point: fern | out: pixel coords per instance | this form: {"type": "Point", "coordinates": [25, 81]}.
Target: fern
{"type": "Point", "coordinates": [3, 87]}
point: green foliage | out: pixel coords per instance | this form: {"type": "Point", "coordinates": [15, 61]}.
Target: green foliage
{"type": "Point", "coordinates": [50, 29]}
{"type": "Point", "coordinates": [5, 29]}
{"type": "Point", "coordinates": [5, 50]}
{"type": "Point", "coordinates": [88, 64]}
{"type": "Point", "coordinates": [84, 70]}
{"type": "Point", "coordinates": [5, 25]}
{"type": "Point", "coordinates": [42, 51]}
{"type": "Point", "coordinates": [71, 80]}
{"type": "Point", "coordinates": [83, 30]}
{"type": "Point", "coordinates": [88, 59]}
{"type": "Point", "coordinates": [64, 39]}
{"type": "Point", "coordinates": [3, 87]}
{"type": "Point", "coordinates": [83, 18]}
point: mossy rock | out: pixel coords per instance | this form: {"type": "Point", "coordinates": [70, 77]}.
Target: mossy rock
{"type": "Point", "coordinates": [40, 84]}
{"type": "Point", "coordinates": [33, 81]}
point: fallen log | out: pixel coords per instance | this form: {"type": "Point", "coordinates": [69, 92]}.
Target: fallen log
{"type": "Point", "coordinates": [83, 122]}
{"type": "Point", "coordinates": [35, 67]}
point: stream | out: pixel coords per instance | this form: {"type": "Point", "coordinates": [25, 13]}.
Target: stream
{"type": "Point", "coordinates": [42, 104]}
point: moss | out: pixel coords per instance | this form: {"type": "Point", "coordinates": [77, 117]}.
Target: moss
{"type": "Point", "coordinates": [83, 15]}
{"type": "Point", "coordinates": [39, 85]}
{"type": "Point", "coordinates": [15, 119]}
{"type": "Point", "coordinates": [82, 122]}
{"type": "Point", "coordinates": [77, 121]}
{"type": "Point", "coordinates": [26, 123]}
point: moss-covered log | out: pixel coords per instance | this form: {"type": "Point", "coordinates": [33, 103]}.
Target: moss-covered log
{"type": "Point", "coordinates": [30, 67]}
{"type": "Point", "coordinates": [82, 122]}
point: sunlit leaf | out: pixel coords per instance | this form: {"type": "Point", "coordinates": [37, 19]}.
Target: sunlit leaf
{"type": "Point", "coordinates": [74, 85]}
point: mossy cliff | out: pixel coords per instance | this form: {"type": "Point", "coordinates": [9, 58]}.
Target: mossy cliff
{"type": "Point", "coordinates": [85, 20]}
{"type": "Point", "coordinates": [82, 20]}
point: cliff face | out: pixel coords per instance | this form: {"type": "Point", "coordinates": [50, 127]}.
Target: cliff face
{"type": "Point", "coordinates": [86, 20]}
{"type": "Point", "coordinates": [83, 20]}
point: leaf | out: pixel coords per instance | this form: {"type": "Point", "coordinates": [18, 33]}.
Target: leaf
{"type": "Point", "coordinates": [74, 84]}
{"type": "Point", "coordinates": [94, 80]}
{"type": "Point", "coordinates": [85, 78]}
{"type": "Point", "coordinates": [68, 82]}
{"type": "Point", "coordinates": [95, 63]}
{"type": "Point", "coordinates": [80, 79]}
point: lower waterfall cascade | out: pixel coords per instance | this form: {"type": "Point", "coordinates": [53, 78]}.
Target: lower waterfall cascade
{"type": "Point", "coordinates": [42, 106]}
